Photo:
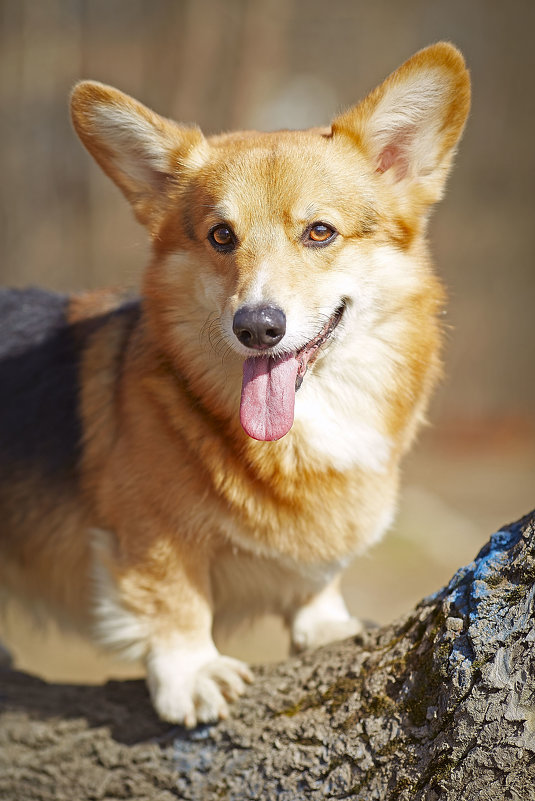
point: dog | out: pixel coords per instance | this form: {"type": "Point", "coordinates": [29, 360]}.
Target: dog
{"type": "Point", "coordinates": [225, 444]}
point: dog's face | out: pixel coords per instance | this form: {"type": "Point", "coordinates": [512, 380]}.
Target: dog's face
{"type": "Point", "coordinates": [277, 216]}
{"type": "Point", "coordinates": [275, 225]}
{"type": "Point", "coordinates": [287, 247]}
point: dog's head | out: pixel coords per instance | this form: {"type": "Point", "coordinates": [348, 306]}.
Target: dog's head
{"type": "Point", "coordinates": [295, 240]}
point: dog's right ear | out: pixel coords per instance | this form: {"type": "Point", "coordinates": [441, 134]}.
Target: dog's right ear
{"type": "Point", "coordinates": [143, 153]}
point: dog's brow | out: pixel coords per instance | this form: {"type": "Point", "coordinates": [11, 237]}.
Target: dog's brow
{"type": "Point", "coordinates": [311, 211]}
{"type": "Point", "coordinates": [223, 211]}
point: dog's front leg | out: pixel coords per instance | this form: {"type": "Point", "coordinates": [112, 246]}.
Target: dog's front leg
{"type": "Point", "coordinates": [157, 604]}
{"type": "Point", "coordinates": [323, 619]}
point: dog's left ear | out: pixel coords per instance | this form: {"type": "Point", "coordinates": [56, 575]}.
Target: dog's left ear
{"type": "Point", "coordinates": [409, 125]}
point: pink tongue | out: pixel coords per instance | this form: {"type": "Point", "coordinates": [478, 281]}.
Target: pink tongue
{"type": "Point", "coordinates": [268, 396]}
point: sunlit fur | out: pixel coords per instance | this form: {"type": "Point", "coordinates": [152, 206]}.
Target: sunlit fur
{"type": "Point", "coordinates": [176, 518]}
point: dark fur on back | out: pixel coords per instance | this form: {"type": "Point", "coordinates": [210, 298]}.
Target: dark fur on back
{"type": "Point", "coordinates": [39, 422]}
{"type": "Point", "coordinates": [40, 356]}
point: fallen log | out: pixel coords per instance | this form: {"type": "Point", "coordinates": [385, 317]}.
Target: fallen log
{"type": "Point", "coordinates": [438, 706]}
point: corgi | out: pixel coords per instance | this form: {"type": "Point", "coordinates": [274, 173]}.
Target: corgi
{"type": "Point", "coordinates": [223, 445]}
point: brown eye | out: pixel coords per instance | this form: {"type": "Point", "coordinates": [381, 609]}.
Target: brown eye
{"type": "Point", "coordinates": [319, 234]}
{"type": "Point", "coordinates": [222, 237]}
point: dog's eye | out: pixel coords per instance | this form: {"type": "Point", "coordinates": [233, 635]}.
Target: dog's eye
{"type": "Point", "coordinates": [222, 237]}
{"type": "Point", "coordinates": [319, 234]}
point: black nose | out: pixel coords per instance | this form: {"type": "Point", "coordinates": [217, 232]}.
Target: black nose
{"type": "Point", "coordinates": [259, 326]}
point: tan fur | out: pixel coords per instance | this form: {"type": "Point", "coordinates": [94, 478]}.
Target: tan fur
{"type": "Point", "coordinates": [191, 520]}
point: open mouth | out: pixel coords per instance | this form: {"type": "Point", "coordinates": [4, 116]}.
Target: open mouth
{"type": "Point", "coordinates": [270, 383]}
{"type": "Point", "coordinates": [309, 353]}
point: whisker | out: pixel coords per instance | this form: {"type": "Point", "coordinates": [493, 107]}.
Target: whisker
{"type": "Point", "coordinates": [206, 327]}
{"type": "Point", "coordinates": [226, 353]}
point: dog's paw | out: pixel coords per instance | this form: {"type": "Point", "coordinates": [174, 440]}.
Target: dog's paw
{"type": "Point", "coordinates": [321, 632]}
{"type": "Point", "coordinates": [201, 695]}
{"type": "Point", "coordinates": [323, 619]}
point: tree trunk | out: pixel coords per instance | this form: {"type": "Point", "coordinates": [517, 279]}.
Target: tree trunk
{"type": "Point", "coordinates": [439, 706]}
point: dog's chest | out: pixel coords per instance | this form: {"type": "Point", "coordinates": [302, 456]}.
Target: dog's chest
{"type": "Point", "coordinates": [337, 430]}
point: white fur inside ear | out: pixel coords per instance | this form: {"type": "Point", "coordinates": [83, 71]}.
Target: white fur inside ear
{"type": "Point", "coordinates": [404, 130]}
{"type": "Point", "coordinates": [137, 146]}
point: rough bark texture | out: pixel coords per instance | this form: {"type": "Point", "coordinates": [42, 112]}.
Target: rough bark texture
{"type": "Point", "coordinates": [439, 706]}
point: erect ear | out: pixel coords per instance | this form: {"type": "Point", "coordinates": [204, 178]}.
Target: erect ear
{"type": "Point", "coordinates": [141, 152]}
{"type": "Point", "coordinates": [409, 125]}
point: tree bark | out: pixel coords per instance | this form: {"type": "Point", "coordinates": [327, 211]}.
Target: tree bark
{"type": "Point", "coordinates": [439, 706]}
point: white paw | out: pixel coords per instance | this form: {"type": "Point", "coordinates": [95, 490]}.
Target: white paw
{"type": "Point", "coordinates": [192, 687]}
{"type": "Point", "coordinates": [321, 632]}
{"type": "Point", "coordinates": [322, 620]}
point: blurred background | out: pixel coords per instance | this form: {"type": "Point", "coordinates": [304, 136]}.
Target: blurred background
{"type": "Point", "coordinates": [294, 63]}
